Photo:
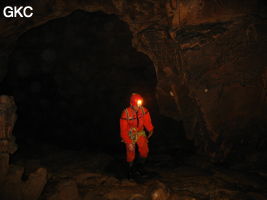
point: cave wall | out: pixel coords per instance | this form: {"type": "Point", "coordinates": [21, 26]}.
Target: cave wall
{"type": "Point", "coordinates": [209, 57]}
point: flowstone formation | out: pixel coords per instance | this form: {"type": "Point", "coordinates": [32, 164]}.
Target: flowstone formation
{"type": "Point", "coordinates": [209, 57]}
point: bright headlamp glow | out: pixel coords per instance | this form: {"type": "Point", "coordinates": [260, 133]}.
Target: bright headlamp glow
{"type": "Point", "coordinates": [139, 102]}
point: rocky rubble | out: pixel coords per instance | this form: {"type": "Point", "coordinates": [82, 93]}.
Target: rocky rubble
{"type": "Point", "coordinates": [195, 178]}
{"type": "Point", "coordinates": [14, 188]}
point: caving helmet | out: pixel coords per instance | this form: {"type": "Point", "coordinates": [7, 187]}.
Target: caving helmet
{"type": "Point", "coordinates": [136, 100]}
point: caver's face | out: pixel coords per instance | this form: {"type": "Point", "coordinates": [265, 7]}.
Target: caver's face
{"type": "Point", "coordinates": [135, 108]}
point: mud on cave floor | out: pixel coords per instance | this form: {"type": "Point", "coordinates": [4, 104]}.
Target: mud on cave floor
{"type": "Point", "coordinates": [175, 173]}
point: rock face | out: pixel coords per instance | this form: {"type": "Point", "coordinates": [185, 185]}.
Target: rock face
{"type": "Point", "coordinates": [33, 187]}
{"type": "Point", "coordinates": [4, 164]}
{"type": "Point", "coordinates": [66, 190]}
{"type": "Point", "coordinates": [14, 188]}
{"type": "Point", "coordinates": [209, 57]}
{"type": "Point", "coordinates": [7, 121]}
{"type": "Point", "coordinates": [11, 185]}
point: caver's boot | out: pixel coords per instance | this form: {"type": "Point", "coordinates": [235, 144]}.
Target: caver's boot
{"type": "Point", "coordinates": [141, 167]}
{"type": "Point", "coordinates": [130, 171]}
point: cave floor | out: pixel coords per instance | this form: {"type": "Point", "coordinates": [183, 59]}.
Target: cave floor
{"type": "Point", "coordinates": [77, 174]}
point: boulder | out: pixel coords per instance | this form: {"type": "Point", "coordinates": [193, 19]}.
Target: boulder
{"type": "Point", "coordinates": [33, 187]}
{"type": "Point", "coordinates": [66, 190]}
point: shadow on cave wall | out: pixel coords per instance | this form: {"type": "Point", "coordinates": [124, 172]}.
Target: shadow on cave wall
{"type": "Point", "coordinates": [71, 78]}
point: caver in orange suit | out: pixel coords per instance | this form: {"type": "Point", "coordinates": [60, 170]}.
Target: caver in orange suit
{"type": "Point", "coordinates": [132, 123]}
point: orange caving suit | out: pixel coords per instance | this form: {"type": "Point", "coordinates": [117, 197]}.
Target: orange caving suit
{"type": "Point", "coordinates": [132, 126]}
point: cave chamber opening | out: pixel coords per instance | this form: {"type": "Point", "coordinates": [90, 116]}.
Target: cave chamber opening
{"type": "Point", "coordinates": [72, 77]}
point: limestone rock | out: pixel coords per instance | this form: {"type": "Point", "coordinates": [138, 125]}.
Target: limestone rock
{"type": "Point", "coordinates": [33, 187]}
{"type": "Point", "coordinates": [7, 121]}
{"type": "Point", "coordinates": [158, 191]}
{"type": "Point", "coordinates": [137, 197]}
{"type": "Point", "coordinates": [11, 188]}
{"type": "Point", "coordinates": [121, 194]}
{"type": "Point", "coordinates": [4, 164]}
{"type": "Point", "coordinates": [66, 190]}
{"type": "Point", "coordinates": [89, 196]}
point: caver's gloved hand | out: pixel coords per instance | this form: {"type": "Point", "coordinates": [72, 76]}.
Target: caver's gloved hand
{"type": "Point", "coordinates": [150, 134]}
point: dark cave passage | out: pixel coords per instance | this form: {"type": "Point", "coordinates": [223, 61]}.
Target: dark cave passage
{"type": "Point", "coordinates": [71, 79]}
